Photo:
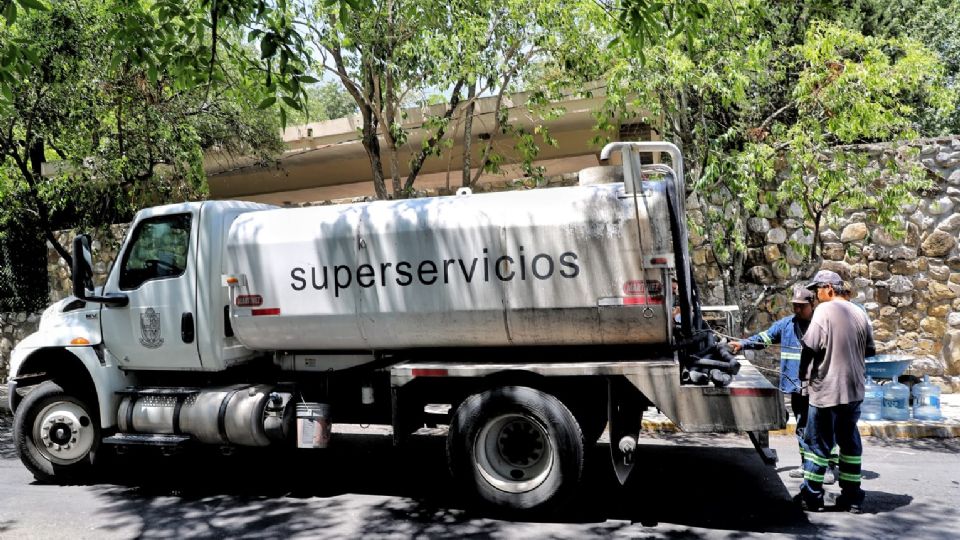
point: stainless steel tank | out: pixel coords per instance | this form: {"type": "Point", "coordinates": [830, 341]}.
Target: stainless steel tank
{"type": "Point", "coordinates": [581, 265]}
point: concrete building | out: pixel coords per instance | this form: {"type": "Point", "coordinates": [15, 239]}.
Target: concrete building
{"type": "Point", "coordinates": [326, 160]}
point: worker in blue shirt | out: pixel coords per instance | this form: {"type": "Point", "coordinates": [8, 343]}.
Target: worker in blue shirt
{"type": "Point", "coordinates": [788, 332]}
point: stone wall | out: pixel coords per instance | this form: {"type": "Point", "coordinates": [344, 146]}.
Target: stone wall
{"type": "Point", "coordinates": [13, 328]}
{"type": "Point", "coordinates": [16, 326]}
{"type": "Point", "coordinates": [909, 286]}
{"type": "Point", "coordinates": [104, 245]}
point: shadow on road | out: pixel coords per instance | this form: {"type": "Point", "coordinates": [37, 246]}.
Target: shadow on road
{"type": "Point", "coordinates": [363, 486]}
{"type": "Point", "coordinates": [365, 483]}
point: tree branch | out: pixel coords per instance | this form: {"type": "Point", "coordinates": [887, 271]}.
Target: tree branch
{"type": "Point", "coordinates": [766, 122]}
{"type": "Point", "coordinates": [417, 163]}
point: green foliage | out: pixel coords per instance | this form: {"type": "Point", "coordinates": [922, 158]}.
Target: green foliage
{"type": "Point", "coordinates": [194, 44]}
{"type": "Point", "coordinates": [325, 101]}
{"type": "Point", "coordinates": [929, 22]}
{"type": "Point", "coordinates": [394, 54]}
{"type": "Point", "coordinates": [115, 135]}
{"type": "Point", "coordinates": [762, 97]}
{"type": "Point", "coordinates": [644, 23]}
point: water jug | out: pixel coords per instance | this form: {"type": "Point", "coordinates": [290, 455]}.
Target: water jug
{"type": "Point", "coordinates": [896, 399]}
{"type": "Point", "coordinates": [926, 400]}
{"type": "Point", "coordinates": [872, 400]}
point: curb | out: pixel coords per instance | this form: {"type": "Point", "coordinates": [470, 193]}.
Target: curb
{"type": "Point", "coordinates": [883, 429]}
{"type": "Point", "coordinates": [889, 429]}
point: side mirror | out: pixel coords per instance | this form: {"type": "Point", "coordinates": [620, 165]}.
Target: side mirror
{"type": "Point", "coordinates": [82, 269]}
{"type": "Point", "coordinates": [83, 275]}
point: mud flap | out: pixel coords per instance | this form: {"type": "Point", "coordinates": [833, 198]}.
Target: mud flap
{"type": "Point", "coordinates": [625, 414]}
{"type": "Point", "coordinates": [761, 443]}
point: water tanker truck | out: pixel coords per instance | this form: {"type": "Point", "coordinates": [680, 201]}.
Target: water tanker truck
{"type": "Point", "coordinates": [540, 317]}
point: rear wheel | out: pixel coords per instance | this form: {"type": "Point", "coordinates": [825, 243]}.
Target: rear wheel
{"type": "Point", "coordinates": [56, 435]}
{"type": "Point", "coordinates": [515, 448]}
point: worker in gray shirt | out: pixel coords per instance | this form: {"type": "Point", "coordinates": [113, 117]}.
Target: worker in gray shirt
{"type": "Point", "coordinates": [833, 368]}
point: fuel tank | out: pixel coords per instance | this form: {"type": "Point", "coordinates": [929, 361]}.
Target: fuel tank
{"type": "Point", "coordinates": [240, 414]}
{"type": "Point", "coordinates": [580, 265]}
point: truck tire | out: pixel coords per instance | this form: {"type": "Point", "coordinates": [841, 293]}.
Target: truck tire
{"type": "Point", "coordinates": [56, 435]}
{"type": "Point", "coordinates": [515, 448]}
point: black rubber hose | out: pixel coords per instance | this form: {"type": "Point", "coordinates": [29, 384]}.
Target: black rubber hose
{"type": "Point", "coordinates": [720, 378]}
{"type": "Point", "coordinates": [718, 364]}
{"type": "Point", "coordinates": [680, 260]}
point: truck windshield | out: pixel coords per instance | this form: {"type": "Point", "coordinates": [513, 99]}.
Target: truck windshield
{"type": "Point", "coordinates": [158, 249]}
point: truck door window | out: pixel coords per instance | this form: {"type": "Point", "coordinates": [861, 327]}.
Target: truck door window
{"type": "Point", "coordinates": [158, 249]}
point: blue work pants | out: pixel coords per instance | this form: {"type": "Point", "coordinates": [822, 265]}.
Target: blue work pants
{"type": "Point", "coordinates": [826, 427]}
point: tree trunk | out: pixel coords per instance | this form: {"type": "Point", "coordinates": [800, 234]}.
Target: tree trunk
{"type": "Point", "coordinates": [32, 175]}
{"type": "Point", "coordinates": [468, 135]}
{"type": "Point", "coordinates": [417, 162]}
{"type": "Point", "coordinates": [395, 169]}
{"type": "Point", "coordinates": [371, 144]}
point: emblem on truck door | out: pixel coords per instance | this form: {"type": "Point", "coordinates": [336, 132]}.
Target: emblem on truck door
{"type": "Point", "coordinates": [150, 329]}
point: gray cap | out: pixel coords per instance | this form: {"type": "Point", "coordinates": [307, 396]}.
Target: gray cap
{"type": "Point", "coordinates": [802, 295]}
{"type": "Point", "coordinates": [826, 277]}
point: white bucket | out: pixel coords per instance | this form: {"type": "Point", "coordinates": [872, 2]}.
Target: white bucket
{"type": "Point", "coordinates": [313, 425]}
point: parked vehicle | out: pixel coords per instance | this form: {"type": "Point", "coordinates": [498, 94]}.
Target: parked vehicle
{"type": "Point", "coordinates": [541, 317]}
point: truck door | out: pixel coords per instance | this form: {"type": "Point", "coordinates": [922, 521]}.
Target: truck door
{"type": "Point", "coordinates": [157, 272]}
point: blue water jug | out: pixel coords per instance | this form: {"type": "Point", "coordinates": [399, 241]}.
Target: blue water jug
{"type": "Point", "coordinates": [896, 398]}
{"type": "Point", "coordinates": [872, 400]}
{"type": "Point", "coordinates": [926, 400]}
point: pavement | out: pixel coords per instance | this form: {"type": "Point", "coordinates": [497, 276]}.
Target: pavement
{"type": "Point", "coordinates": [947, 427]}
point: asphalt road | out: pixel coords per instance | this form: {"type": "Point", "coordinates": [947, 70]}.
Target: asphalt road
{"type": "Point", "coordinates": [685, 487]}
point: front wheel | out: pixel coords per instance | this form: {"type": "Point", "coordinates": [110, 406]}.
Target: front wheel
{"type": "Point", "coordinates": [516, 448]}
{"type": "Point", "coordinates": [56, 434]}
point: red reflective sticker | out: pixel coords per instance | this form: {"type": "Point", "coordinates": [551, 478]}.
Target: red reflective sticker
{"type": "Point", "coordinates": [640, 292]}
{"type": "Point", "coordinates": [429, 372]}
{"type": "Point", "coordinates": [639, 287]}
{"type": "Point", "coordinates": [642, 301]}
{"type": "Point", "coordinates": [634, 287]}
{"type": "Point", "coordinates": [753, 392]}
{"type": "Point", "coordinates": [249, 300]}
{"type": "Point", "coordinates": [266, 311]}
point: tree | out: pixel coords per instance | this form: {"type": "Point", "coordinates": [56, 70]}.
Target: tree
{"type": "Point", "coordinates": [125, 137]}
{"type": "Point", "coordinates": [925, 21]}
{"type": "Point", "coordinates": [761, 94]}
{"type": "Point", "coordinates": [385, 53]}
{"type": "Point", "coordinates": [550, 50]}
{"type": "Point", "coordinates": [395, 52]}
{"type": "Point", "coordinates": [194, 43]}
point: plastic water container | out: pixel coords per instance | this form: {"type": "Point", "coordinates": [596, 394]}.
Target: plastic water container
{"type": "Point", "coordinates": [926, 400]}
{"type": "Point", "coordinates": [872, 400]}
{"type": "Point", "coordinates": [896, 402]}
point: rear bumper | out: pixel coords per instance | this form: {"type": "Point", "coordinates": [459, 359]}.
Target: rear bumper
{"type": "Point", "coordinates": [749, 403]}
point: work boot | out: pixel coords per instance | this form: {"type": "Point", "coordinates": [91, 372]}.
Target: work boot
{"type": "Point", "coordinates": [809, 501]}
{"type": "Point", "coordinates": [847, 503]}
